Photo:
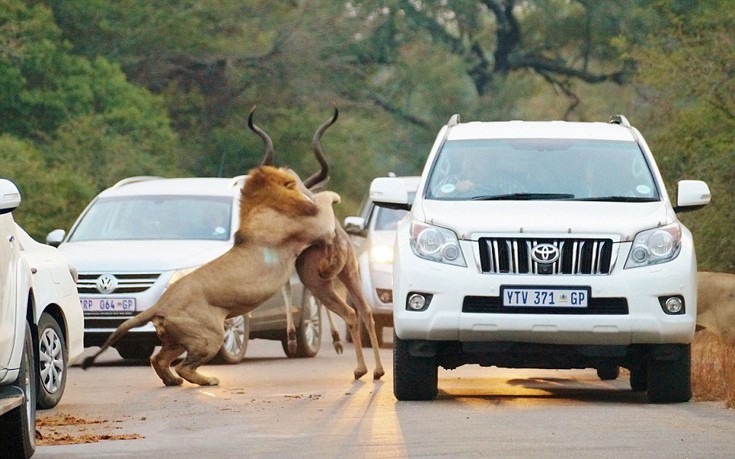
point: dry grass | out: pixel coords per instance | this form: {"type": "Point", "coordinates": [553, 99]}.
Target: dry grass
{"type": "Point", "coordinates": [713, 369]}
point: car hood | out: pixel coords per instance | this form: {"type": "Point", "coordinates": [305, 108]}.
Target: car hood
{"type": "Point", "coordinates": [137, 256]}
{"type": "Point", "coordinates": [470, 219]}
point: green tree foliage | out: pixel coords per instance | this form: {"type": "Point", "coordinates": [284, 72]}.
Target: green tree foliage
{"type": "Point", "coordinates": [87, 123]}
{"type": "Point", "coordinates": [52, 196]}
{"type": "Point", "coordinates": [687, 80]}
{"type": "Point", "coordinates": [164, 88]}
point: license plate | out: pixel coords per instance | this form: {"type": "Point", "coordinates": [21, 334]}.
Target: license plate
{"type": "Point", "coordinates": [575, 297]}
{"type": "Point", "coordinates": [111, 306]}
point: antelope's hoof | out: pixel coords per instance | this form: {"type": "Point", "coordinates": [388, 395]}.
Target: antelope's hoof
{"type": "Point", "coordinates": [378, 373]}
{"type": "Point", "coordinates": [338, 347]}
{"type": "Point", "coordinates": [173, 382]}
{"type": "Point", "coordinates": [359, 373]}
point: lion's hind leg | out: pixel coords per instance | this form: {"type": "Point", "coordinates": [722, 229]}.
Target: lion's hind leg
{"type": "Point", "coordinates": [187, 369]}
{"type": "Point", "coordinates": [200, 349]}
{"type": "Point", "coordinates": [170, 350]}
{"type": "Point", "coordinates": [161, 362]}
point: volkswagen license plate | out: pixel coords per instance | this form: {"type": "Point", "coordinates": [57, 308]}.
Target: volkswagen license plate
{"type": "Point", "coordinates": [575, 297]}
{"type": "Point", "coordinates": [111, 306]}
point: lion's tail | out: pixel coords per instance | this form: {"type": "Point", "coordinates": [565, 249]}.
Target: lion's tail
{"type": "Point", "coordinates": [121, 330]}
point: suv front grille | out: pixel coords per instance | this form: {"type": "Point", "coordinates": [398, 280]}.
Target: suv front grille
{"type": "Point", "coordinates": [126, 283]}
{"type": "Point", "coordinates": [576, 256]}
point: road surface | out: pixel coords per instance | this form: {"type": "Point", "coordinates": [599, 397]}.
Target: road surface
{"type": "Point", "coordinates": [273, 407]}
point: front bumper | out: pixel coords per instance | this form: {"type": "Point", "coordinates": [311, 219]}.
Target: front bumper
{"type": "Point", "coordinates": [644, 323]}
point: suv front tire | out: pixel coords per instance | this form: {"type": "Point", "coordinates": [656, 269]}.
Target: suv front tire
{"type": "Point", "coordinates": [414, 378]}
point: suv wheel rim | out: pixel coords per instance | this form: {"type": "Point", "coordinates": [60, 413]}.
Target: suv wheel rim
{"type": "Point", "coordinates": [51, 359]}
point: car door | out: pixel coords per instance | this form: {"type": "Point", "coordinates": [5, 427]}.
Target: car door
{"type": "Point", "coordinates": [8, 257]}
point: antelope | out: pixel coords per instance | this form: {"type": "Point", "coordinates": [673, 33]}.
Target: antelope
{"type": "Point", "coordinates": [326, 261]}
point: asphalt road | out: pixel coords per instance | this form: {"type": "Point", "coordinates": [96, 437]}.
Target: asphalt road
{"type": "Point", "coordinates": [271, 406]}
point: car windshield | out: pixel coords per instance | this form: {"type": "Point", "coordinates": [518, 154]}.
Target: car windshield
{"type": "Point", "coordinates": [387, 219]}
{"type": "Point", "coordinates": [541, 169]}
{"type": "Point", "coordinates": [156, 218]}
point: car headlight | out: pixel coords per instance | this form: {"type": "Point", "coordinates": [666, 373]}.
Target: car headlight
{"type": "Point", "coordinates": [381, 254]}
{"type": "Point", "coordinates": [436, 244]}
{"type": "Point", "coordinates": [655, 246]}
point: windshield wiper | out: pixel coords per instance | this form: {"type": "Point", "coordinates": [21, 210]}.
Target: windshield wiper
{"type": "Point", "coordinates": [523, 196]}
{"type": "Point", "coordinates": [619, 199]}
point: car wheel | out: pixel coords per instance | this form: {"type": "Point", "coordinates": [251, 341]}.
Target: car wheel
{"type": "Point", "coordinates": [18, 426]}
{"type": "Point", "coordinates": [237, 336]}
{"type": "Point", "coordinates": [135, 350]}
{"type": "Point", "coordinates": [414, 378]}
{"type": "Point", "coordinates": [308, 330]}
{"type": "Point", "coordinates": [608, 372]}
{"type": "Point", "coordinates": [53, 360]}
{"type": "Point", "coordinates": [639, 378]}
{"type": "Point", "coordinates": [670, 379]}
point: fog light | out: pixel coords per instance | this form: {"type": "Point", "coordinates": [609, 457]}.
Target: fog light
{"type": "Point", "coordinates": [416, 302]}
{"type": "Point", "coordinates": [672, 304]}
{"type": "Point", "coordinates": [384, 295]}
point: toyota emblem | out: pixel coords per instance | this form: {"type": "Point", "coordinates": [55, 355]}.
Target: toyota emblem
{"type": "Point", "coordinates": [106, 283]}
{"type": "Point", "coordinates": [545, 253]}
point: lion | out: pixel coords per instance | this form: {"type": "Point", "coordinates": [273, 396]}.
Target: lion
{"type": "Point", "coordinates": [279, 218]}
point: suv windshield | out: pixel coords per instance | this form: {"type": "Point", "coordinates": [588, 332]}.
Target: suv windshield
{"type": "Point", "coordinates": [155, 218]}
{"type": "Point", "coordinates": [541, 169]}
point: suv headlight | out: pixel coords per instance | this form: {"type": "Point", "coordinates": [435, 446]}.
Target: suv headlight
{"type": "Point", "coordinates": [655, 246]}
{"type": "Point", "coordinates": [435, 244]}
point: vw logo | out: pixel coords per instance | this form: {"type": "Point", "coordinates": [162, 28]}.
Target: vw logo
{"type": "Point", "coordinates": [106, 283]}
{"type": "Point", "coordinates": [545, 253]}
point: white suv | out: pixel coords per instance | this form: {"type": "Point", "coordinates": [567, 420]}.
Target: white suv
{"type": "Point", "coordinates": [543, 245]}
{"type": "Point", "coordinates": [143, 233]}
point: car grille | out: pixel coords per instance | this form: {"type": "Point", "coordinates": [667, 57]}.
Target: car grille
{"type": "Point", "coordinates": [576, 256]}
{"type": "Point", "coordinates": [493, 305]}
{"type": "Point", "coordinates": [126, 283]}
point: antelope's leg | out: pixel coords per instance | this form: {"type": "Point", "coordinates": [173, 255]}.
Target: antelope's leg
{"type": "Point", "coordinates": [336, 340]}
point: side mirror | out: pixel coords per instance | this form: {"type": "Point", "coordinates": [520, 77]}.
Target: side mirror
{"type": "Point", "coordinates": [55, 237]}
{"type": "Point", "coordinates": [355, 225]}
{"type": "Point", "coordinates": [391, 192]}
{"type": "Point", "coordinates": [9, 196]}
{"type": "Point", "coordinates": [692, 195]}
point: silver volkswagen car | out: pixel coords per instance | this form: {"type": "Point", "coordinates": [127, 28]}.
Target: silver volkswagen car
{"type": "Point", "coordinates": [144, 233]}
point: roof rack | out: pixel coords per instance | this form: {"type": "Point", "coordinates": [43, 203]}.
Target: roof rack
{"type": "Point", "coordinates": [136, 179]}
{"type": "Point", "coordinates": [454, 120]}
{"type": "Point", "coordinates": [619, 119]}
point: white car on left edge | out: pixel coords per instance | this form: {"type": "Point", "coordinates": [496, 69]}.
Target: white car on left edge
{"type": "Point", "coordinates": [41, 326]}
{"type": "Point", "coordinates": [57, 314]}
